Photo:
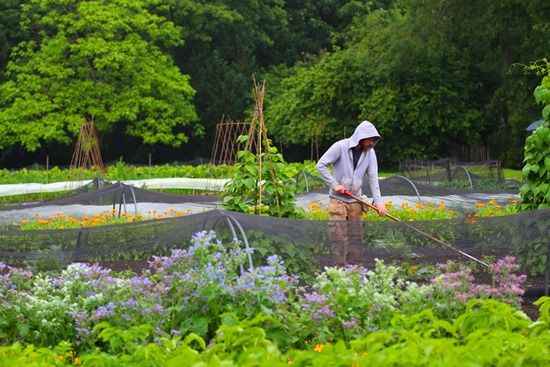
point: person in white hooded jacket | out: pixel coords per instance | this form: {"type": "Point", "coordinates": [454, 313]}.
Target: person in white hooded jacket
{"type": "Point", "coordinates": [351, 159]}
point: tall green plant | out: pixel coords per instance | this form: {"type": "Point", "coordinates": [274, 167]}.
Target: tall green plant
{"type": "Point", "coordinates": [535, 192]}
{"type": "Point", "coordinates": [276, 194]}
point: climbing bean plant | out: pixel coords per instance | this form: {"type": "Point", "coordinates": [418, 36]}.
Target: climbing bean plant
{"type": "Point", "coordinates": [261, 186]}
{"type": "Point", "coordinates": [535, 192]}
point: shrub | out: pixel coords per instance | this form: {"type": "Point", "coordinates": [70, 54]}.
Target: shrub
{"type": "Point", "coordinates": [535, 193]}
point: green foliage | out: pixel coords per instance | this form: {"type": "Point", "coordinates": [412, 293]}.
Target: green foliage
{"type": "Point", "coordinates": [302, 109]}
{"type": "Point", "coordinates": [227, 41]}
{"type": "Point", "coordinates": [122, 171]}
{"type": "Point", "coordinates": [118, 172]}
{"type": "Point", "coordinates": [299, 257]}
{"type": "Point", "coordinates": [34, 356]}
{"type": "Point", "coordinates": [400, 87]}
{"type": "Point", "coordinates": [224, 42]}
{"type": "Point", "coordinates": [535, 192]}
{"type": "Point", "coordinates": [418, 340]}
{"type": "Point", "coordinates": [100, 61]}
{"type": "Point", "coordinates": [10, 32]}
{"type": "Point", "coordinates": [412, 73]}
{"type": "Point", "coordinates": [89, 315]}
{"type": "Point", "coordinates": [277, 195]}
{"type": "Point", "coordinates": [490, 315]}
{"type": "Point", "coordinates": [123, 341]}
{"type": "Point", "coordinates": [543, 304]}
{"type": "Point", "coordinates": [533, 256]}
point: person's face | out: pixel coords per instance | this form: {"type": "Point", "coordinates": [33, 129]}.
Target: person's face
{"type": "Point", "coordinates": [366, 144]}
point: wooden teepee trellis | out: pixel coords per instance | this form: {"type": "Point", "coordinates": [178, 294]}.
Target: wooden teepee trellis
{"type": "Point", "coordinates": [86, 152]}
{"type": "Point", "coordinates": [226, 145]}
{"type": "Point", "coordinates": [258, 136]}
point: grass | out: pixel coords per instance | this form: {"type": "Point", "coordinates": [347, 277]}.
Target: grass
{"type": "Point", "coordinates": [509, 174]}
{"type": "Point", "coordinates": [512, 174]}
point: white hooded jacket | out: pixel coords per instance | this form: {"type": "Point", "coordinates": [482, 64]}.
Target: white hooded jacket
{"type": "Point", "coordinates": [340, 156]}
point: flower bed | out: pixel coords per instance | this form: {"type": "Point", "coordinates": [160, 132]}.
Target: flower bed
{"type": "Point", "coordinates": [421, 211]}
{"type": "Point", "coordinates": [404, 212]}
{"type": "Point", "coordinates": [62, 221]}
{"type": "Point", "coordinates": [201, 306]}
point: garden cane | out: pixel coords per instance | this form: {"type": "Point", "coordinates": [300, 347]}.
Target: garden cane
{"type": "Point", "coordinates": [444, 244]}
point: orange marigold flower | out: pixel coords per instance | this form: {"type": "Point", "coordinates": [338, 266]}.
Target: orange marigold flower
{"type": "Point", "coordinates": [319, 348]}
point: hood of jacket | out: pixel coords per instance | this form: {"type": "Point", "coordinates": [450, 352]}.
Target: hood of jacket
{"type": "Point", "coordinates": [363, 131]}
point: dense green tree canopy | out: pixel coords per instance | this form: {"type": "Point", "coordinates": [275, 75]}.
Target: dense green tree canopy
{"type": "Point", "coordinates": [398, 74]}
{"type": "Point", "coordinates": [226, 42]}
{"type": "Point", "coordinates": [95, 60]}
{"type": "Point", "coordinates": [433, 75]}
{"type": "Point", "coordinates": [10, 33]}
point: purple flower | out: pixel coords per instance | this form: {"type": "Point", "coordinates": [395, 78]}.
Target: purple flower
{"type": "Point", "coordinates": [323, 311]}
{"type": "Point", "coordinates": [350, 324]}
{"type": "Point", "coordinates": [157, 308]}
{"type": "Point", "coordinates": [101, 313]}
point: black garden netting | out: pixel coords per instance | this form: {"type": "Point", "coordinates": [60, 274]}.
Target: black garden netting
{"type": "Point", "coordinates": [486, 176]}
{"type": "Point", "coordinates": [306, 246]}
{"type": "Point", "coordinates": [401, 185]}
{"type": "Point", "coordinates": [100, 197]}
{"type": "Point", "coordinates": [399, 189]}
{"type": "Point", "coordinates": [99, 192]}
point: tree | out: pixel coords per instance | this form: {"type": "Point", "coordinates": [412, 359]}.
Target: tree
{"type": "Point", "coordinates": [229, 40]}
{"type": "Point", "coordinates": [10, 33]}
{"type": "Point", "coordinates": [96, 60]}
{"type": "Point", "coordinates": [226, 42]}
{"type": "Point", "coordinates": [406, 80]}
{"type": "Point", "coordinates": [431, 74]}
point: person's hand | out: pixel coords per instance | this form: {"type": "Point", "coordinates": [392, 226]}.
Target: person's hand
{"type": "Point", "coordinates": [381, 208]}
{"type": "Point", "coordinates": [339, 189]}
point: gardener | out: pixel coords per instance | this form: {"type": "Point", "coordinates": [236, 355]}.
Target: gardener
{"type": "Point", "coordinates": [351, 159]}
